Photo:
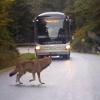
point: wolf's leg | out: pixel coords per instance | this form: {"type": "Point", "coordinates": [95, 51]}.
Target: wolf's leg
{"type": "Point", "coordinates": [18, 78]}
{"type": "Point", "coordinates": [33, 74]}
{"type": "Point", "coordinates": [38, 73]}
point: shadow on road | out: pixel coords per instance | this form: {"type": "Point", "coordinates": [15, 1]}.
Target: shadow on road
{"type": "Point", "coordinates": [61, 59]}
{"type": "Point", "coordinates": [29, 86]}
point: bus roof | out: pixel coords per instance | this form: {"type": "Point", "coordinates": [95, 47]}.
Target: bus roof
{"type": "Point", "coordinates": [52, 13]}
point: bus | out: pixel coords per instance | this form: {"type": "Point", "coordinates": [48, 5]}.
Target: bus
{"type": "Point", "coordinates": [52, 35]}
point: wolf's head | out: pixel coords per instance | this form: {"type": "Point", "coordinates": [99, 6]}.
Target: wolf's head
{"type": "Point", "coordinates": [47, 59]}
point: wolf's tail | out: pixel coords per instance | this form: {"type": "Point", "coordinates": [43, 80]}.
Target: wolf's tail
{"type": "Point", "coordinates": [12, 73]}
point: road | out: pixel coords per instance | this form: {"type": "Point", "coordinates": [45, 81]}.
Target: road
{"type": "Point", "coordinates": [74, 79]}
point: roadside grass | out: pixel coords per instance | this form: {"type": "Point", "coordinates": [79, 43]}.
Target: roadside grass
{"type": "Point", "coordinates": [27, 56]}
{"type": "Point", "coordinates": [21, 58]}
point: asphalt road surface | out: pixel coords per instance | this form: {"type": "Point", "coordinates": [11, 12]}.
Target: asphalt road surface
{"type": "Point", "coordinates": [74, 79]}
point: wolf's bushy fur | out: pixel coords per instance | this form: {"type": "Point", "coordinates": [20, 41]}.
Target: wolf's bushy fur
{"type": "Point", "coordinates": [35, 66]}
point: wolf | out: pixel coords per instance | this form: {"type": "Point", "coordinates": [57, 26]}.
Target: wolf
{"type": "Point", "coordinates": [34, 66]}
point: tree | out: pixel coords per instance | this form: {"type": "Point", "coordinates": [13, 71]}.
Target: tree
{"type": "Point", "coordinates": [55, 5]}
{"type": "Point", "coordinates": [7, 47]}
{"type": "Point", "coordinates": [22, 15]}
{"type": "Point", "coordinates": [86, 13]}
{"type": "Point", "coordinates": [87, 18]}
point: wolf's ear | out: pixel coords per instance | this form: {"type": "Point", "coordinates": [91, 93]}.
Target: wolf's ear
{"type": "Point", "coordinates": [48, 56]}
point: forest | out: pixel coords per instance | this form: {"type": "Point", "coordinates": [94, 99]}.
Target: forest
{"type": "Point", "coordinates": [16, 17]}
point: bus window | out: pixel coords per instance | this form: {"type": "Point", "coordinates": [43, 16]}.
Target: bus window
{"type": "Point", "coordinates": [52, 29]}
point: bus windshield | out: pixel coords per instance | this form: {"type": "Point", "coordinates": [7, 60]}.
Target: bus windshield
{"type": "Point", "coordinates": [52, 30]}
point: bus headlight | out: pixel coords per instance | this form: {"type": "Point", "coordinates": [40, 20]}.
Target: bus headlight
{"type": "Point", "coordinates": [37, 47]}
{"type": "Point", "coordinates": [68, 46]}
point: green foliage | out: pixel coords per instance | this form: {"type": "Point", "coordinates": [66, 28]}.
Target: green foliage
{"type": "Point", "coordinates": [55, 5]}
{"type": "Point", "coordinates": [4, 16]}
{"type": "Point", "coordinates": [82, 42]}
{"type": "Point", "coordinates": [22, 15]}
{"type": "Point", "coordinates": [86, 14]}
{"type": "Point", "coordinates": [6, 42]}
{"type": "Point", "coordinates": [8, 51]}
{"type": "Point", "coordinates": [7, 57]}
{"type": "Point", "coordinates": [27, 56]}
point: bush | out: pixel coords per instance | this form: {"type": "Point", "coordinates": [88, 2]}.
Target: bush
{"type": "Point", "coordinates": [7, 58]}
{"type": "Point", "coordinates": [82, 42]}
{"type": "Point", "coordinates": [27, 56]}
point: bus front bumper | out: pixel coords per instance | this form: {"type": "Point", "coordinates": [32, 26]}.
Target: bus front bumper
{"type": "Point", "coordinates": [54, 54]}
{"type": "Point", "coordinates": [54, 50]}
